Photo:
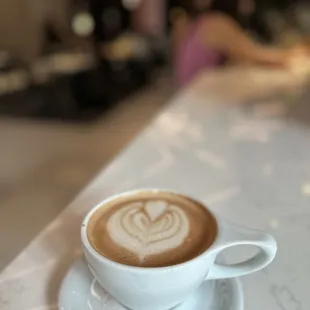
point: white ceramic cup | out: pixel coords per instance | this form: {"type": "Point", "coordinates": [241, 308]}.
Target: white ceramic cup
{"type": "Point", "coordinates": [162, 288]}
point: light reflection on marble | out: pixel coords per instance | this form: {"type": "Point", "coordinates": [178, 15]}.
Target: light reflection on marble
{"type": "Point", "coordinates": [248, 163]}
{"type": "Point", "coordinates": [305, 189]}
{"type": "Point", "coordinates": [274, 224]}
{"type": "Point", "coordinates": [285, 299]}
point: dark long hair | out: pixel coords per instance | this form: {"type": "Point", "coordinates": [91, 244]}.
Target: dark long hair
{"type": "Point", "coordinates": [255, 22]}
{"type": "Point", "coordinates": [229, 7]}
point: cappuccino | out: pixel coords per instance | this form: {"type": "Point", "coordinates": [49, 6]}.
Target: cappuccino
{"type": "Point", "coordinates": [151, 229]}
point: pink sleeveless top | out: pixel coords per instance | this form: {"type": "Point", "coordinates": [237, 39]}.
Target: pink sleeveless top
{"type": "Point", "coordinates": [192, 57]}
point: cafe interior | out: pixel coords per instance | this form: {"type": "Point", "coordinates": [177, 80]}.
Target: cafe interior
{"type": "Point", "coordinates": [91, 88]}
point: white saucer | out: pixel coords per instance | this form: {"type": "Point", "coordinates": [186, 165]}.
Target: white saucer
{"type": "Point", "coordinates": [80, 291]}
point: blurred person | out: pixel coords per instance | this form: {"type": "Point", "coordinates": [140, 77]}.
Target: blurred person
{"type": "Point", "coordinates": [209, 33]}
{"type": "Point", "coordinates": [23, 26]}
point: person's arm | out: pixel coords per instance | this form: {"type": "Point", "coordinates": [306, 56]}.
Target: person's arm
{"type": "Point", "coordinates": [224, 34]}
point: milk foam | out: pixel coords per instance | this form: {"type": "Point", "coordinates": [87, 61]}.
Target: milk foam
{"type": "Point", "coordinates": [148, 228]}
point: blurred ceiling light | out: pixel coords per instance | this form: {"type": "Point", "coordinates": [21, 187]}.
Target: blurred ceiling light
{"type": "Point", "coordinates": [83, 24]}
{"type": "Point", "coordinates": [131, 4]}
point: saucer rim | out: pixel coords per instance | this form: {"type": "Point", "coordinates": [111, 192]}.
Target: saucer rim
{"type": "Point", "coordinates": [236, 283]}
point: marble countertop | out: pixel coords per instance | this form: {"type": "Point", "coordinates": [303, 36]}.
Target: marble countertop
{"type": "Point", "coordinates": [237, 140]}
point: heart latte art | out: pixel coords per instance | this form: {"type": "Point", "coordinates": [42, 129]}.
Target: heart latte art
{"type": "Point", "coordinates": [148, 228]}
{"type": "Point", "coordinates": [151, 229]}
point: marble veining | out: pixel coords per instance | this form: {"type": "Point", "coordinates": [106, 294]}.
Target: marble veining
{"type": "Point", "coordinates": [285, 298]}
{"type": "Point", "coordinates": [250, 163]}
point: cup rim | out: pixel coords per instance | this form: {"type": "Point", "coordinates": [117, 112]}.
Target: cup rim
{"type": "Point", "coordinates": [106, 260]}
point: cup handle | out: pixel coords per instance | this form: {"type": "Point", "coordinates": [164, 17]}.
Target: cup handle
{"type": "Point", "coordinates": [231, 235]}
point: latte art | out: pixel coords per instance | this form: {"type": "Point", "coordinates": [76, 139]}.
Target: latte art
{"type": "Point", "coordinates": [151, 229]}
{"type": "Point", "coordinates": [148, 228]}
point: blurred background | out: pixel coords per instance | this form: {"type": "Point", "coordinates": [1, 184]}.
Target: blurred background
{"type": "Point", "coordinates": [78, 80]}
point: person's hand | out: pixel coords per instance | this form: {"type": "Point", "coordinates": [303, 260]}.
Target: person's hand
{"type": "Point", "coordinates": [298, 60]}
